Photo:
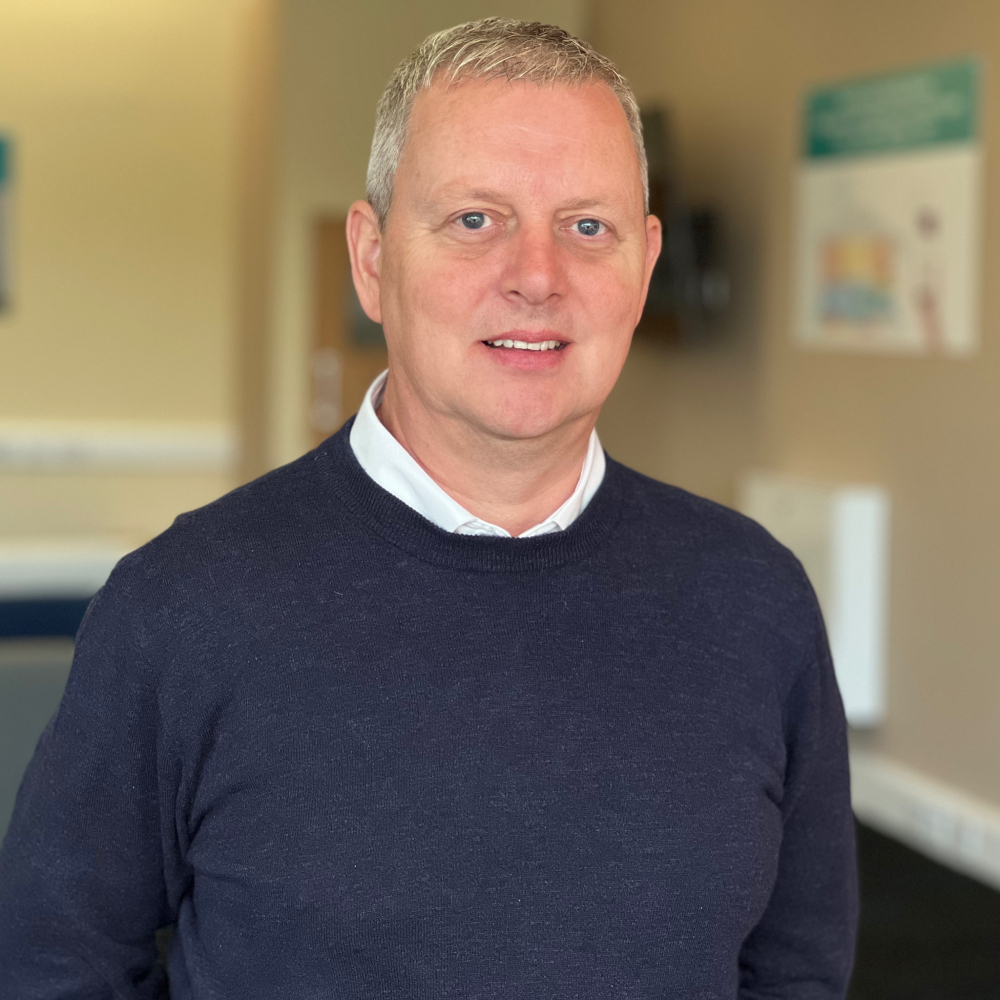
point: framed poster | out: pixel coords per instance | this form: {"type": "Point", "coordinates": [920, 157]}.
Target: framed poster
{"type": "Point", "coordinates": [888, 226]}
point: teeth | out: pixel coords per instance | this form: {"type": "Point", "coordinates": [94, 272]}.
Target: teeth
{"type": "Point", "coordinates": [523, 345]}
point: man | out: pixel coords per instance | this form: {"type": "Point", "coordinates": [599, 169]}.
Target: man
{"type": "Point", "coordinates": [355, 740]}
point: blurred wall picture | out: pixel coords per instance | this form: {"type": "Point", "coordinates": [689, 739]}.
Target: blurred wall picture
{"type": "Point", "coordinates": [5, 223]}
{"type": "Point", "coordinates": [348, 349]}
{"type": "Point", "coordinates": [889, 204]}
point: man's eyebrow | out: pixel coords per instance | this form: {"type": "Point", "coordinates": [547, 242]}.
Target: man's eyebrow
{"type": "Point", "coordinates": [497, 197]}
{"type": "Point", "coordinates": [578, 203]}
{"type": "Point", "coordinates": [477, 194]}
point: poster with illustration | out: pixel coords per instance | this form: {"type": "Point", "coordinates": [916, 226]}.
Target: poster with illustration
{"type": "Point", "coordinates": [889, 191]}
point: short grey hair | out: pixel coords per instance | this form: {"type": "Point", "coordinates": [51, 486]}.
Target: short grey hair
{"type": "Point", "coordinates": [493, 48]}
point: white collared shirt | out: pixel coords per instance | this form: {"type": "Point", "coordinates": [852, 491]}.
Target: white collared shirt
{"type": "Point", "coordinates": [398, 472]}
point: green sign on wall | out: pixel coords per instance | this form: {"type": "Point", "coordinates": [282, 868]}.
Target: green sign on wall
{"type": "Point", "coordinates": [886, 114]}
{"type": "Point", "coordinates": [889, 214]}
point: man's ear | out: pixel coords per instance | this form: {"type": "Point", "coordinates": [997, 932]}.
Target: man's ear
{"type": "Point", "coordinates": [654, 244]}
{"type": "Point", "coordinates": [364, 243]}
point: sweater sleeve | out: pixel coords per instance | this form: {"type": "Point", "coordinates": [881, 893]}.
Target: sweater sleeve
{"type": "Point", "coordinates": [803, 946]}
{"type": "Point", "coordinates": [82, 887]}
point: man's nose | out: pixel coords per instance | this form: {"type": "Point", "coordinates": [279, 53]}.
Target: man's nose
{"type": "Point", "coordinates": [535, 269]}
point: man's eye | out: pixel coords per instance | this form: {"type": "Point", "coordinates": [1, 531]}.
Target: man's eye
{"type": "Point", "coordinates": [589, 227]}
{"type": "Point", "coordinates": [473, 220]}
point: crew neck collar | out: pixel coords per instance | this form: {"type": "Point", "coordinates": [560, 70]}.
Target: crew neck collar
{"type": "Point", "coordinates": [396, 470]}
{"type": "Point", "coordinates": [395, 522]}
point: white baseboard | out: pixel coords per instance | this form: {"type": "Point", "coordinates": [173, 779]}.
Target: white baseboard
{"type": "Point", "coordinates": [57, 567]}
{"type": "Point", "coordinates": [148, 446]}
{"type": "Point", "coordinates": [950, 826]}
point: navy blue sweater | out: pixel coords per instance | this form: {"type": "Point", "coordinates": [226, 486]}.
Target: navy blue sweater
{"type": "Point", "coordinates": [352, 756]}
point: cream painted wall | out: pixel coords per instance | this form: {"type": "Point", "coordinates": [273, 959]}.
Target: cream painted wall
{"type": "Point", "coordinates": [928, 430]}
{"type": "Point", "coordinates": [123, 120]}
{"type": "Point", "coordinates": [122, 117]}
{"type": "Point", "coordinates": [336, 60]}
{"type": "Point", "coordinates": [128, 507]}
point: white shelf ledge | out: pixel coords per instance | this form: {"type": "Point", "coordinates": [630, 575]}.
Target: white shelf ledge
{"type": "Point", "coordinates": [56, 567]}
{"type": "Point", "coordinates": [945, 823]}
{"type": "Point", "coordinates": [83, 446]}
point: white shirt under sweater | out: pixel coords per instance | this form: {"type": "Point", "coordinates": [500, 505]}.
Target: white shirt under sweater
{"type": "Point", "coordinates": [398, 472]}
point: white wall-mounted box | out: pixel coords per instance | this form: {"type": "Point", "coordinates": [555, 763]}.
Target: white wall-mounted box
{"type": "Point", "coordinates": [840, 533]}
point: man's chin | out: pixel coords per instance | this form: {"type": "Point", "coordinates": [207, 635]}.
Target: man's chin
{"type": "Point", "coordinates": [523, 420]}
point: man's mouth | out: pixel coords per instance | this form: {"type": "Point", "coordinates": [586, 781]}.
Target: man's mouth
{"type": "Point", "coordinates": [525, 345]}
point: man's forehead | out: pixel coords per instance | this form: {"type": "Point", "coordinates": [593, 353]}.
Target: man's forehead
{"type": "Point", "coordinates": [493, 183]}
{"type": "Point", "coordinates": [529, 109]}
{"type": "Point", "coordinates": [478, 138]}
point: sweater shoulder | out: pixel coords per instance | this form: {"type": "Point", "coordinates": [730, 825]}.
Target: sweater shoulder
{"type": "Point", "coordinates": [699, 522]}
{"type": "Point", "coordinates": [731, 551]}
{"type": "Point", "coordinates": [736, 573]}
{"type": "Point", "coordinates": [256, 529]}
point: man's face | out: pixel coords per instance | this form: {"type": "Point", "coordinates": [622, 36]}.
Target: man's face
{"type": "Point", "coordinates": [517, 216]}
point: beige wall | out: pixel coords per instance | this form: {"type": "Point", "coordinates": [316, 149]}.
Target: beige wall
{"type": "Point", "coordinates": [122, 117]}
{"type": "Point", "coordinates": [929, 430]}
{"type": "Point", "coordinates": [124, 125]}
{"type": "Point", "coordinates": [117, 506]}
{"type": "Point", "coordinates": [336, 59]}
{"type": "Point", "coordinates": [256, 175]}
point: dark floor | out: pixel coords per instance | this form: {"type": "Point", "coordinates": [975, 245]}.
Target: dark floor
{"type": "Point", "coordinates": [927, 933]}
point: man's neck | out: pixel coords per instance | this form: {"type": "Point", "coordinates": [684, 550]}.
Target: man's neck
{"type": "Point", "coordinates": [510, 482]}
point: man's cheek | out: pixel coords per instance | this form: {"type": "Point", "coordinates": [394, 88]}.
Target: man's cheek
{"type": "Point", "coordinates": [610, 300]}
{"type": "Point", "coordinates": [445, 296]}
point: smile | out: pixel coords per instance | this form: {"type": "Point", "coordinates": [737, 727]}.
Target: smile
{"type": "Point", "coordinates": [524, 345]}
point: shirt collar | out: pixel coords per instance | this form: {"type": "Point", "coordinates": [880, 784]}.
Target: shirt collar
{"type": "Point", "coordinates": [398, 472]}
